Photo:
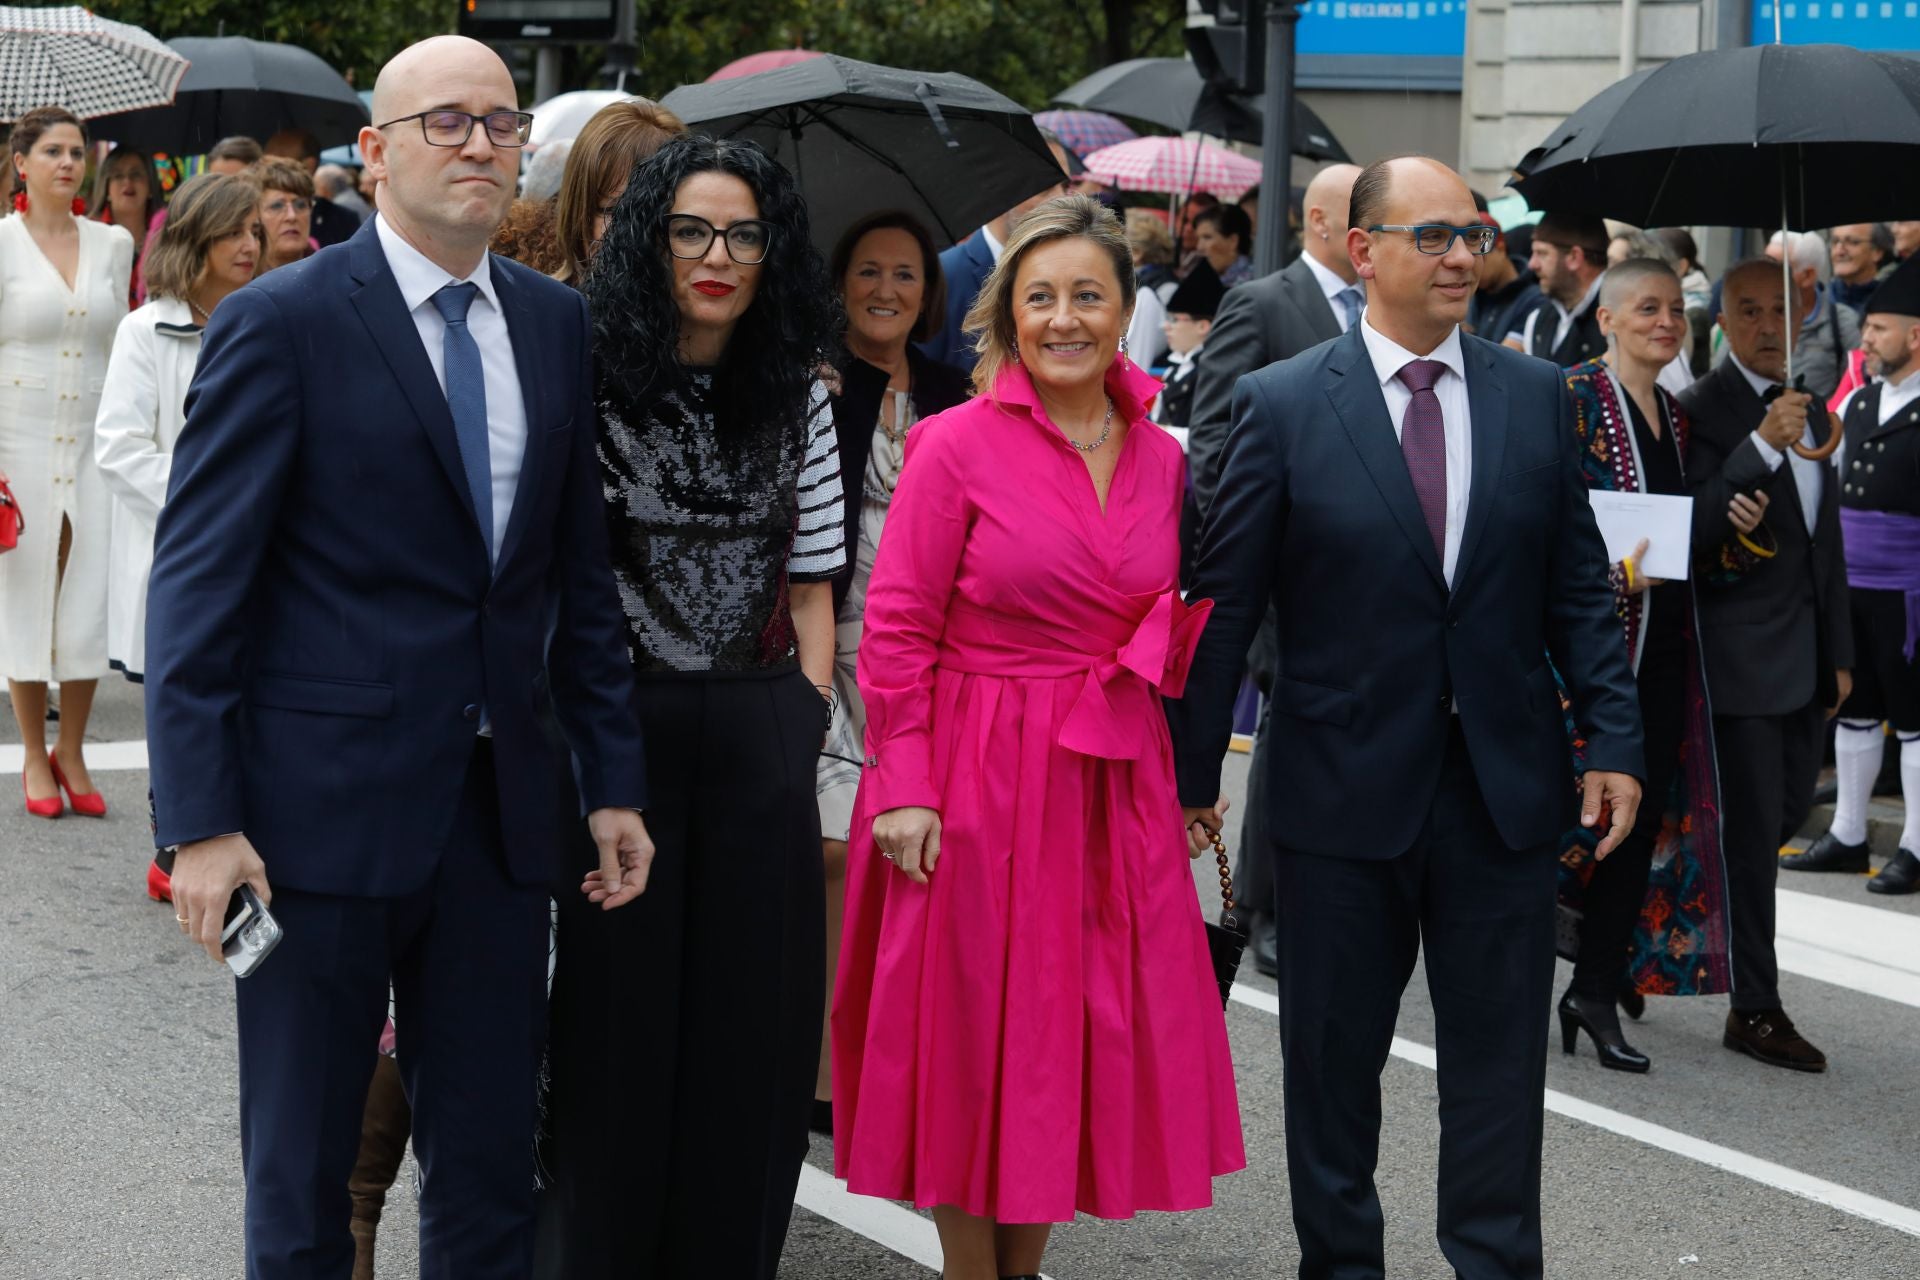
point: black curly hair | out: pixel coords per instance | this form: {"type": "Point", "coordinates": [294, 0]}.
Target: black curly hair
{"type": "Point", "coordinates": [790, 329]}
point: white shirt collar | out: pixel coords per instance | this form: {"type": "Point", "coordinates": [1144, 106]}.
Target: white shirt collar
{"type": "Point", "coordinates": [1389, 357]}
{"type": "Point", "coordinates": [420, 277]}
{"type": "Point", "coordinates": [994, 246]}
{"type": "Point", "coordinates": [1759, 384]}
{"type": "Point", "coordinates": [1896, 396]}
{"type": "Point", "coordinates": [1330, 284]}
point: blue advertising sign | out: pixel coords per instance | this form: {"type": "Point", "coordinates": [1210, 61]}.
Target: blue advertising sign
{"type": "Point", "coordinates": [1426, 28]}
{"type": "Point", "coordinates": [1892, 25]}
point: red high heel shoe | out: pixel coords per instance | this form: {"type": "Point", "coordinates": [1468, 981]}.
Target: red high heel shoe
{"type": "Point", "coordinates": [93, 805]}
{"type": "Point", "coordinates": [159, 883]}
{"type": "Point", "coordinates": [48, 808]}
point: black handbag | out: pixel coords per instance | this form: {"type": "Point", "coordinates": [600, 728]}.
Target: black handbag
{"type": "Point", "coordinates": [1227, 939]}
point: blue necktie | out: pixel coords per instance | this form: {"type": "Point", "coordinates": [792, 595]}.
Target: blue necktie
{"type": "Point", "coordinates": [1351, 300]}
{"type": "Point", "coordinates": [467, 398]}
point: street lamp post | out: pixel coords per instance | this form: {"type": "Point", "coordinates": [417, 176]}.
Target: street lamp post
{"type": "Point", "coordinates": [1276, 155]}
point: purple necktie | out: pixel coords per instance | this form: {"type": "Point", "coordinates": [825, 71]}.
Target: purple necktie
{"type": "Point", "coordinates": [1423, 441]}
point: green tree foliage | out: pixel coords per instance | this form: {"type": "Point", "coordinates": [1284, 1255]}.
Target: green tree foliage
{"type": "Point", "coordinates": [354, 36]}
{"type": "Point", "coordinates": [1027, 49]}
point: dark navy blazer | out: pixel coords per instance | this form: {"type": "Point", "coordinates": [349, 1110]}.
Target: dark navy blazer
{"type": "Point", "coordinates": [965, 267]}
{"type": "Point", "coordinates": [323, 626]}
{"type": "Point", "coordinates": [1316, 511]}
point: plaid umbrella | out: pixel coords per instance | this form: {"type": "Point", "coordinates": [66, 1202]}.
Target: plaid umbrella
{"type": "Point", "coordinates": [68, 58]}
{"type": "Point", "coordinates": [1175, 165]}
{"type": "Point", "coordinates": [1085, 132]}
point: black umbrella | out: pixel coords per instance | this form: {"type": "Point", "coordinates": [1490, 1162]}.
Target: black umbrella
{"type": "Point", "coordinates": [242, 86]}
{"type": "Point", "coordinates": [1815, 135]}
{"type": "Point", "coordinates": [1822, 134]}
{"type": "Point", "coordinates": [862, 138]}
{"type": "Point", "coordinates": [1171, 93]}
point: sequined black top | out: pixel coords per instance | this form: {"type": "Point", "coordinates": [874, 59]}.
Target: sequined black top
{"type": "Point", "coordinates": [707, 534]}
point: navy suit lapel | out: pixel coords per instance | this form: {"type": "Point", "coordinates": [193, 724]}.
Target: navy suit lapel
{"type": "Point", "coordinates": [384, 313]}
{"type": "Point", "coordinates": [524, 332]}
{"type": "Point", "coordinates": [1355, 393]}
{"type": "Point", "coordinates": [1487, 410]}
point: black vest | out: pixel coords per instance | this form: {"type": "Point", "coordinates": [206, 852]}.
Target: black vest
{"type": "Point", "coordinates": [1582, 343]}
{"type": "Point", "coordinates": [1880, 463]}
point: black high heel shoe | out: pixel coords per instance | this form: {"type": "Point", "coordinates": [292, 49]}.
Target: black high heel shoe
{"type": "Point", "coordinates": [1599, 1021]}
{"type": "Point", "coordinates": [1632, 1003]}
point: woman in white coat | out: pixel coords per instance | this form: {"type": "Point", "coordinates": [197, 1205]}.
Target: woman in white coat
{"type": "Point", "coordinates": [210, 246]}
{"type": "Point", "coordinates": [63, 290]}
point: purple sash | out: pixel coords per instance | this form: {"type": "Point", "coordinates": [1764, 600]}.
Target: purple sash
{"type": "Point", "coordinates": [1883, 554]}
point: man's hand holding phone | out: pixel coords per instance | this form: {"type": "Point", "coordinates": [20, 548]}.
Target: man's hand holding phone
{"type": "Point", "coordinates": [205, 875]}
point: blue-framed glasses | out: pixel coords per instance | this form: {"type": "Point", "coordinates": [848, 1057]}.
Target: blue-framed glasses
{"type": "Point", "coordinates": [1435, 238]}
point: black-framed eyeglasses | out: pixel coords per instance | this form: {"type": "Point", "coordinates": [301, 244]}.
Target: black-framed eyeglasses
{"type": "Point", "coordinates": [690, 236]}
{"type": "Point", "coordinates": [1436, 238]}
{"type": "Point", "coordinates": [453, 128]}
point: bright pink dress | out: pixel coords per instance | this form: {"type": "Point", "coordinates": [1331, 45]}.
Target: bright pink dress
{"type": "Point", "coordinates": [1037, 1031]}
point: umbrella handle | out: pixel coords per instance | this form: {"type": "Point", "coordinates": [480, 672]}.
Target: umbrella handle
{"type": "Point", "coordinates": [1821, 452]}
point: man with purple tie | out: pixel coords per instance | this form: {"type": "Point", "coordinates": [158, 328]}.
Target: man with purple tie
{"type": "Point", "coordinates": [1407, 498]}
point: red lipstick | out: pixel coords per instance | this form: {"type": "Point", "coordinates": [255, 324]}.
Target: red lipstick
{"type": "Point", "coordinates": [714, 288]}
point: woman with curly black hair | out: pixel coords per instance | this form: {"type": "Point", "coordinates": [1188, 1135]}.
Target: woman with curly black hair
{"type": "Point", "coordinates": [679, 1093]}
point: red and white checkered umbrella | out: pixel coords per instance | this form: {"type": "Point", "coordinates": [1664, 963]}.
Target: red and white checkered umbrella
{"type": "Point", "coordinates": [66, 57]}
{"type": "Point", "coordinates": [1174, 165]}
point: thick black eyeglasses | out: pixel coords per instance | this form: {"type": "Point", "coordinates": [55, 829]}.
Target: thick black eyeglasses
{"type": "Point", "coordinates": [690, 236]}
{"type": "Point", "coordinates": [1436, 238]}
{"type": "Point", "coordinates": [453, 128]}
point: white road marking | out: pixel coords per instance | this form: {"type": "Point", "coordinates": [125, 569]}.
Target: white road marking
{"type": "Point", "coordinates": [102, 757]}
{"type": "Point", "coordinates": [1849, 944]}
{"type": "Point", "coordinates": [881, 1221]}
{"type": "Point", "coordinates": [1739, 1163]}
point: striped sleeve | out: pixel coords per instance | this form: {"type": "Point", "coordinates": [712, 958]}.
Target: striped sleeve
{"type": "Point", "coordinates": [820, 542]}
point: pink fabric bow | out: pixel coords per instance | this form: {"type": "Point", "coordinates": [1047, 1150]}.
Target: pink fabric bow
{"type": "Point", "coordinates": [1113, 715]}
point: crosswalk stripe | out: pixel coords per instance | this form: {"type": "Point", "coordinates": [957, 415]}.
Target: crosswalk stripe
{"type": "Point", "coordinates": [1753, 1168]}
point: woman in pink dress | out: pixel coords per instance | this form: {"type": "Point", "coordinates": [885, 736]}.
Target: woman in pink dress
{"type": "Point", "coordinates": [1026, 1023]}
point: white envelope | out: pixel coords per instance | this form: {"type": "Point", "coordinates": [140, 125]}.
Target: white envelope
{"type": "Point", "coordinates": [1666, 522]}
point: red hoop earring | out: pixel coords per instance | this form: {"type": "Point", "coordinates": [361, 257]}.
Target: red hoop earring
{"type": "Point", "coordinates": [79, 207]}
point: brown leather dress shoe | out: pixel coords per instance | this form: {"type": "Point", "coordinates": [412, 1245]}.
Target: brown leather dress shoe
{"type": "Point", "coordinates": [1768, 1036]}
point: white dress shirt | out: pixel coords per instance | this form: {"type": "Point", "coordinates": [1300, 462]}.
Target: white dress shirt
{"type": "Point", "coordinates": [1806, 472]}
{"type": "Point", "coordinates": [1896, 396]}
{"type": "Point", "coordinates": [1332, 286]}
{"type": "Point", "coordinates": [419, 278]}
{"type": "Point", "coordinates": [1389, 357]}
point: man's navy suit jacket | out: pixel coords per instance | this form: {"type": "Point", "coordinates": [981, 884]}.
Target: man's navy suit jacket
{"type": "Point", "coordinates": [1316, 511]}
{"type": "Point", "coordinates": [965, 268]}
{"type": "Point", "coordinates": [325, 633]}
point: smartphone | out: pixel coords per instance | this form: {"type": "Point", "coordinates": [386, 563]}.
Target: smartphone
{"type": "Point", "coordinates": [250, 933]}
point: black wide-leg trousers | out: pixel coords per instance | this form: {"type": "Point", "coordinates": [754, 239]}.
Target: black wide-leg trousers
{"type": "Point", "coordinates": [686, 1025]}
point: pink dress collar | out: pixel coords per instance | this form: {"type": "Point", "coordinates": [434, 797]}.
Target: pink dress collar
{"type": "Point", "coordinates": [1131, 387]}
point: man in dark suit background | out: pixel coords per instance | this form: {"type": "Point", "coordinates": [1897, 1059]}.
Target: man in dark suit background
{"type": "Point", "coordinates": [966, 266]}
{"type": "Point", "coordinates": [1315, 297]}
{"type": "Point", "coordinates": [1409, 500]}
{"type": "Point", "coordinates": [354, 629]}
{"type": "Point", "coordinates": [1778, 642]}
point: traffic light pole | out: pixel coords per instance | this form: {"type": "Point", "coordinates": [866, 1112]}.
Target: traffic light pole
{"type": "Point", "coordinates": [1276, 152]}
{"type": "Point", "coordinates": [622, 50]}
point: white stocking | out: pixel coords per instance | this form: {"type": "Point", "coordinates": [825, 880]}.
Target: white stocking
{"type": "Point", "coordinates": [1910, 791]}
{"type": "Point", "coordinates": [1857, 749]}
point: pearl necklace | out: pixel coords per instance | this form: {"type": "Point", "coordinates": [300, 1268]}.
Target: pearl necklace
{"type": "Point", "coordinates": [205, 317]}
{"type": "Point", "coordinates": [1106, 429]}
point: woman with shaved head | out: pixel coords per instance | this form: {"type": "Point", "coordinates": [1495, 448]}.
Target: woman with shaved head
{"type": "Point", "coordinates": [1633, 438]}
